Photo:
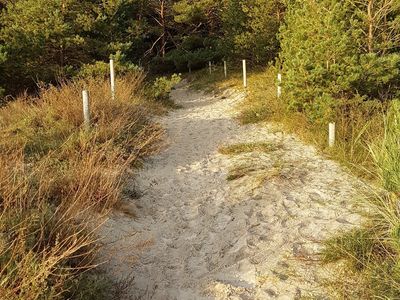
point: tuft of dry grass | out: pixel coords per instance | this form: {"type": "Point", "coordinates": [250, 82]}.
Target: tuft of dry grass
{"type": "Point", "coordinates": [367, 257]}
{"type": "Point", "coordinates": [248, 147]}
{"type": "Point", "coordinates": [57, 180]}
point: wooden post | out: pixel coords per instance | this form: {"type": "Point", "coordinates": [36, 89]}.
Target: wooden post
{"type": "Point", "coordinates": [244, 74]}
{"type": "Point", "coordinates": [210, 67]}
{"type": "Point", "coordinates": [332, 133]}
{"type": "Point", "coordinates": [112, 78]}
{"type": "Point", "coordinates": [225, 69]}
{"type": "Point", "coordinates": [279, 92]}
{"type": "Point", "coordinates": [86, 108]}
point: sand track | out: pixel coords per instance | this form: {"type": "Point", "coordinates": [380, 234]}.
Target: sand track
{"type": "Point", "coordinates": [199, 236]}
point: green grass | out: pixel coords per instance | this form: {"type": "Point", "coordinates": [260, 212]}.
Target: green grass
{"type": "Point", "coordinates": [386, 151]}
{"type": "Point", "coordinates": [368, 256]}
{"type": "Point", "coordinates": [371, 253]}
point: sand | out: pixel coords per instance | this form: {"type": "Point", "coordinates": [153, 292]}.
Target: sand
{"type": "Point", "coordinates": [197, 235]}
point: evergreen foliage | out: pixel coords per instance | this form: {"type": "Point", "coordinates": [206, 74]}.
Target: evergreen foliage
{"type": "Point", "coordinates": [43, 40]}
{"type": "Point", "coordinates": [339, 49]}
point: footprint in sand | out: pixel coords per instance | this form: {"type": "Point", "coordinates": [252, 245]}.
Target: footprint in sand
{"type": "Point", "coordinates": [210, 238]}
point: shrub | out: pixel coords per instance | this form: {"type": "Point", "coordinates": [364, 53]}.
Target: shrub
{"type": "Point", "coordinates": [163, 86]}
{"type": "Point", "coordinates": [102, 69]}
{"type": "Point", "coordinates": [327, 54]}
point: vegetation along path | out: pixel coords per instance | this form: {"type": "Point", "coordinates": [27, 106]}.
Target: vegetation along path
{"type": "Point", "coordinates": [228, 211]}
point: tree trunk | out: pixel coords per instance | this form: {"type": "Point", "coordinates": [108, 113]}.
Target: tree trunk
{"type": "Point", "coordinates": [370, 26]}
{"type": "Point", "coordinates": [164, 29]}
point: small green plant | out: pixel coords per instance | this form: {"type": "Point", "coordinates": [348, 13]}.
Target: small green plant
{"type": "Point", "coordinates": [163, 86]}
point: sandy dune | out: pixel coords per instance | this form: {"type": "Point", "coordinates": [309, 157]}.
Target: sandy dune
{"type": "Point", "coordinates": [200, 236]}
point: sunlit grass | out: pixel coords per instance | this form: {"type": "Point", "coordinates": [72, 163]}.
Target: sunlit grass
{"type": "Point", "coordinates": [57, 180]}
{"type": "Point", "coordinates": [236, 149]}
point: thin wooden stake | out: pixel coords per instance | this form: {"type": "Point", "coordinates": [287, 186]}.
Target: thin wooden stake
{"type": "Point", "coordinates": [112, 78]}
{"type": "Point", "coordinates": [279, 91]}
{"type": "Point", "coordinates": [86, 108]}
{"type": "Point", "coordinates": [332, 134]}
{"type": "Point", "coordinates": [225, 69]}
{"type": "Point", "coordinates": [244, 74]}
{"type": "Point", "coordinates": [210, 67]}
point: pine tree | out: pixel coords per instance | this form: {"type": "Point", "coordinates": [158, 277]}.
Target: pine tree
{"type": "Point", "coordinates": [330, 51]}
{"type": "Point", "coordinates": [43, 38]}
{"type": "Point", "coordinates": [251, 28]}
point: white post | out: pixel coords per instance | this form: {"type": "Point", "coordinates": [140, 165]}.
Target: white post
{"type": "Point", "coordinates": [225, 69]}
{"type": "Point", "coordinates": [112, 78]}
{"type": "Point", "coordinates": [244, 74]}
{"type": "Point", "coordinates": [332, 134]}
{"type": "Point", "coordinates": [279, 92]}
{"type": "Point", "coordinates": [86, 108]}
{"type": "Point", "coordinates": [210, 67]}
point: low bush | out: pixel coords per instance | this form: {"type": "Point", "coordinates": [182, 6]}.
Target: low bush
{"type": "Point", "coordinates": [162, 87]}
{"type": "Point", "coordinates": [100, 69]}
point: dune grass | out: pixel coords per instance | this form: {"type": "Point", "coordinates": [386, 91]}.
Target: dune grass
{"type": "Point", "coordinates": [57, 180]}
{"type": "Point", "coordinates": [370, 254]}
{"type": "Point", "coordinates": [236, 149]}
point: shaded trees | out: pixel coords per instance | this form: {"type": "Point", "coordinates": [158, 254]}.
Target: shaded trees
{"type": "Point", "coordinates": [339, 49]}
{"type": "Point", "coordinates": [251, 28]}
{"type": "Point", "coordinates": [45, 39]}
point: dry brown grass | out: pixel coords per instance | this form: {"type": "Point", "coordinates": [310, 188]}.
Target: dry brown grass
{"type": "Point", "coordinates": [237, 149]}
{"type": "Point", "coordinates": [57, 179]}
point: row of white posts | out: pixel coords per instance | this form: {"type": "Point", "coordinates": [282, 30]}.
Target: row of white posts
{"type": "Point", "coordinates": [86, 102]}
{"type": "Point", "coordinates": [85, 96]}
{"type": "Point", "coordinates": [226, 71]}
{"type": "Point", "coordinates": [332, 129]}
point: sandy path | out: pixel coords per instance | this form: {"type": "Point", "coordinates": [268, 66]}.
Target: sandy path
{"type": "Point", "coordinates": [199, 236]}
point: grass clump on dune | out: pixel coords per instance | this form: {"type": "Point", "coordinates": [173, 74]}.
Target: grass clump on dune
{"type": "Point", "coordinates": [367, 257]}
{"type": "Point", "coordinates": [371, 253]}
{"type": "Point", "coordinates": [247, 147]}
{"type": "Point", "coordinates": [57, 180]}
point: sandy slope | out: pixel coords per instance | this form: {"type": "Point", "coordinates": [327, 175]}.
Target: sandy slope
{"type": "Point", "coordinates": [199, 236]}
